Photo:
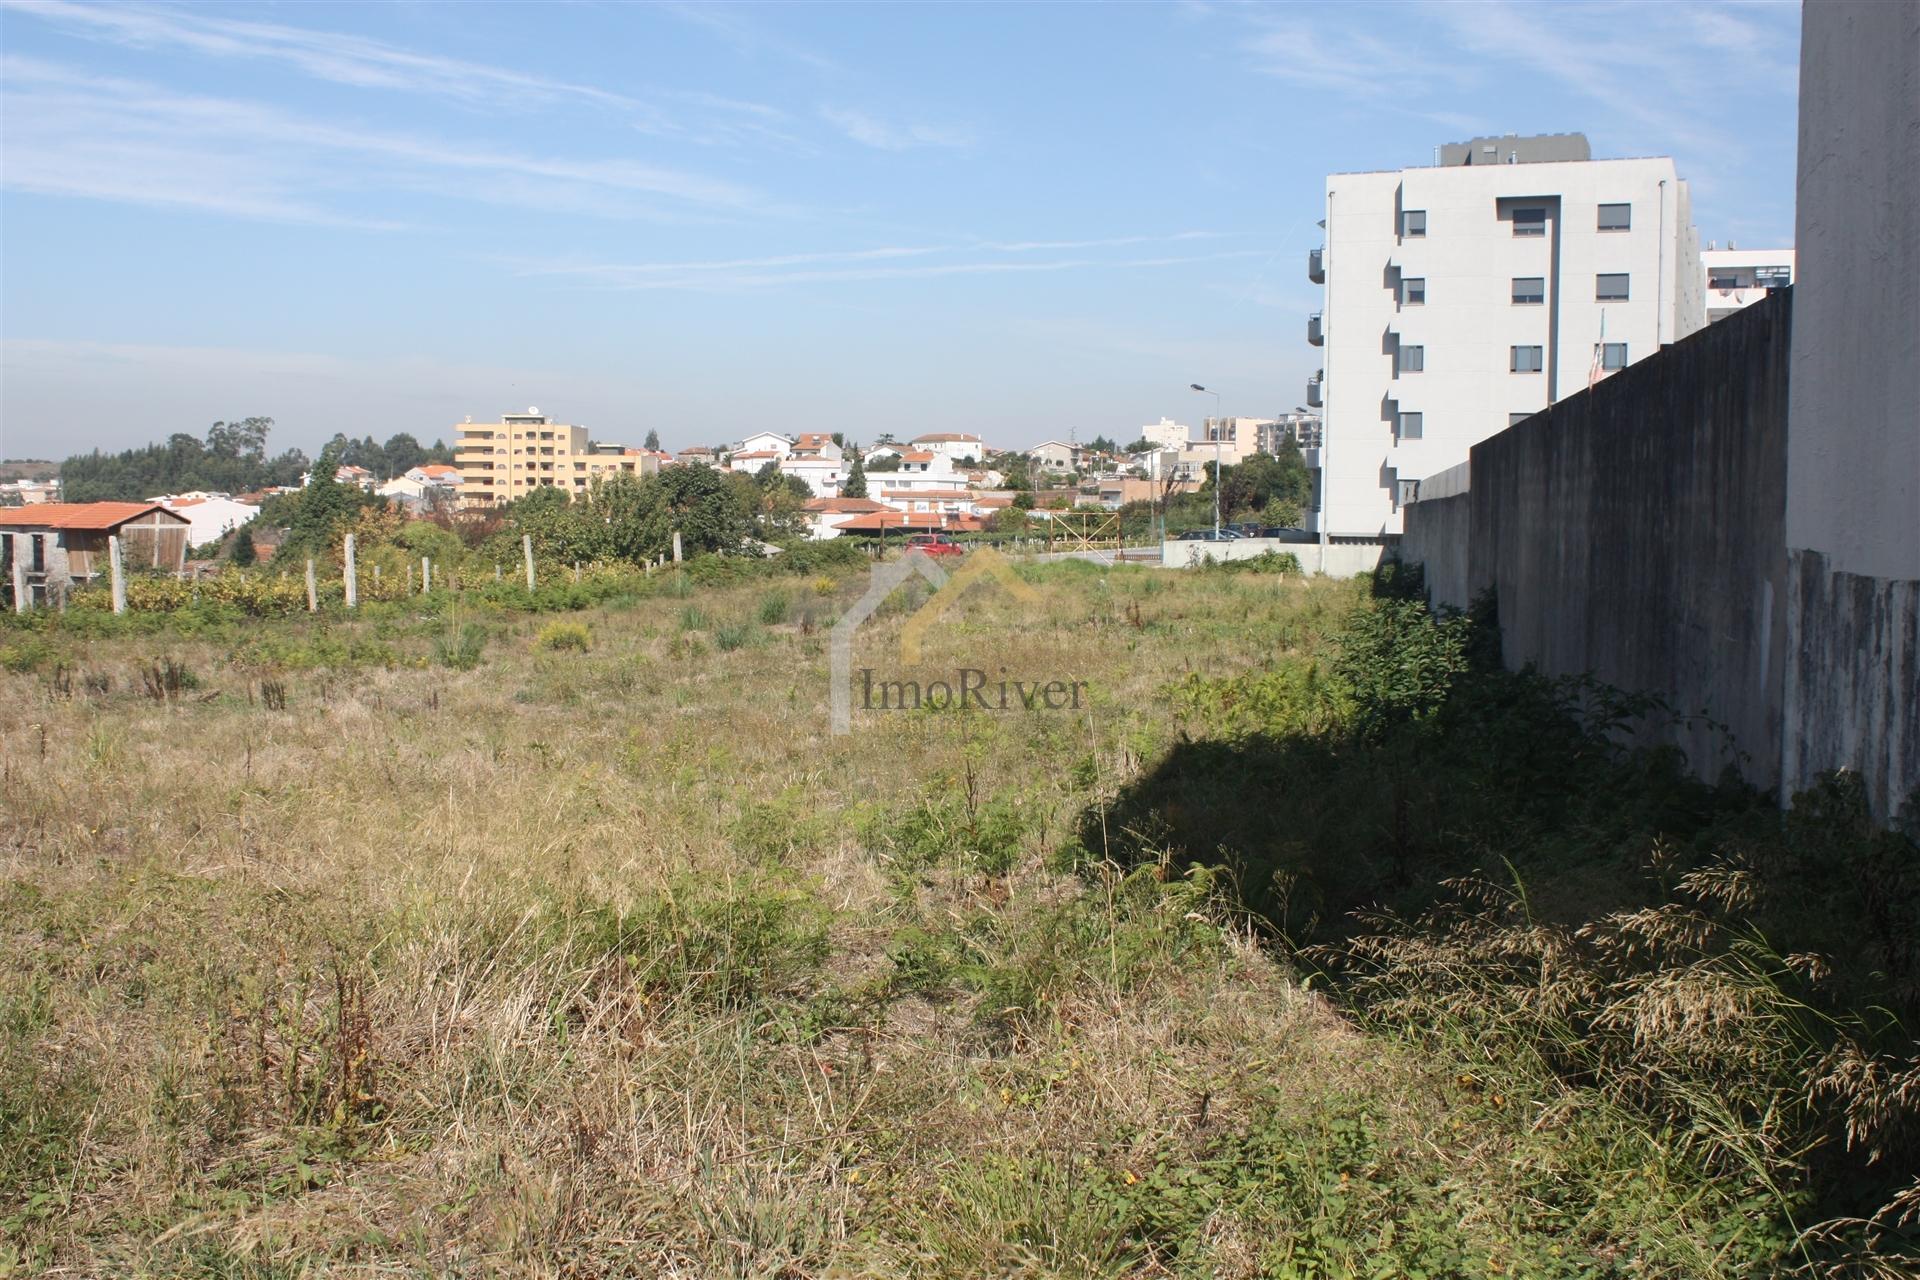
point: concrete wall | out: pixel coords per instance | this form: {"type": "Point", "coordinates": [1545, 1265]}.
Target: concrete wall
{"type": "Point", "coordinates": [1438, 537]}
{"type": "Point", "coordinates": [1635, 531]}
{"type": "Point", "coordinates": [1853, 454]}
{"type": "Point", "coordinates": [1337, 561]}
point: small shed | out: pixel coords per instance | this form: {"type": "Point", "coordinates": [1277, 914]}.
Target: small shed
{"type": "Point", "coordinates": [57, 545]}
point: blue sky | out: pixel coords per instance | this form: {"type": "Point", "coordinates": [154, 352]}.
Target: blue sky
{"type": "Point", "coordinates": [711, 219]}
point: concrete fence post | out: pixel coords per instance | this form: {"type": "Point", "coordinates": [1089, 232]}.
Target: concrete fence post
{"type": "Point", "coordinates": [496, 571]}
{"type": "Point", "coordinates": [313, 590]}
{"type": "Point", "coordinates": [19, 575]}
{"type": "Point", "coordinates": [426, 575]}
{"type": "Point", "coordinates": [119, 573]}
{"type": "Point", "coordinates": [576, 572]}
{"type": "Point", "coordinates": [676, 546]}
{"type": "Point", "coordinates": [353, 576]}
{"type": "Point", "coordinates": [526, 552]}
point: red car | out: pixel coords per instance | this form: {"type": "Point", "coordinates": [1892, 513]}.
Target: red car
{"type": "Point", "coordinates": [935, 544]}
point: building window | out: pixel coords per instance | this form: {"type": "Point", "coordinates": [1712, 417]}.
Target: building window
{"type": "Point", "coordinates": [1413, 359]}
{"type": "Point", "coordinates": [1525, 360]}
{"type": "Point", "coordinates": [1613, 355]}
{"type": "Point", "coordinates": [1616, 217]}
{"type": "Point", "coordinates": [1413, 223]}
{"type": "Point", "coordinates": [1411, 425]}
{"type": "Point", "coordinates": [1529, 291]}
{"type": "Point", "coordinates": [1413, 292]}
{"type": "Point", "coordinates": [1772, 277]}
{"type": "Point", "coordinates": [1529, 222]}
{"type": "Point", "coordinates": [1515, 419]}
{"type": "Point", "coordinates": [1610, 288]}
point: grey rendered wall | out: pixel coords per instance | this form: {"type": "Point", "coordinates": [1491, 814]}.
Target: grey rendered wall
{"type": "Point", "coordinates": [1852, 695]}
{"type": "Point", "coordinates": [1438, 532]}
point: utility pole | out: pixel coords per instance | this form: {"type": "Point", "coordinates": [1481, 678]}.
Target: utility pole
{"type": "Point", "coordinates": [1216, 455]}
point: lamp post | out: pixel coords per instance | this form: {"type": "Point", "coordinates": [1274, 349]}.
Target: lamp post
{"type": "Point", "coordinates": [1216, 455]}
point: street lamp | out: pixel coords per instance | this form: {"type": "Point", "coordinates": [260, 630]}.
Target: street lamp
{"type": "Point", "coordinates": [1216, 455]}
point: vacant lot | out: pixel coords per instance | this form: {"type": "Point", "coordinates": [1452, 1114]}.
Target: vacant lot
{"type": "Point", "coordinates": [602, 957]}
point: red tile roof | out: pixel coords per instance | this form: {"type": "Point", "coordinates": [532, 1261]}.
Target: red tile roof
{"type": "Point", "coordinates": [845, 504]}
{"type": "Point", "coordinates": [946, 437]}
{"type": "Point", "coordinates": [79, 515]}
{"type": "Point", "coordinates": [878, 521]}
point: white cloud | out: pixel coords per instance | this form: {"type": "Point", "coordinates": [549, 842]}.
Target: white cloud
{"type": "Point", "coordinates": [869, 132]}
{"type": "Point", "coordinates": [72, 133]}
{"type": "Point", "coordinates": [845, 266]}
{"type": "Point", "coordinates": [360, 62]}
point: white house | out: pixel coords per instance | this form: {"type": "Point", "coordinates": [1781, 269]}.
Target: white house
{"type": "Point", "coordinates": [1466, 296]}
{"type": "Point", "coordinates": [765, 442]}
{"type": "Point", "coordinates": [951, 445]}
{"type": "Point", "coordinates": [1057, 455]}
{"type": "Point", "coordinates": [209, 517]}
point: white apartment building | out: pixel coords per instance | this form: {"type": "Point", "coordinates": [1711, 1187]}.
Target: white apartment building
{"type": "Point", "coordinates": [1166, 433]}
{"type": "Point", "coordinates": [1466, 296]}
{"type": "Point", "coordinates": [1738, 278]}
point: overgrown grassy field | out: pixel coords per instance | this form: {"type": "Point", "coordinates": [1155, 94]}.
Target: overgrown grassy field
{"type": "Point", "coordinates": [460, 940]}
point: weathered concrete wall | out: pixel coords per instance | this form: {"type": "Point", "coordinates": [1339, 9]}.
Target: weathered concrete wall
{"type": "Point", "coordinates": [1853, 469]}
{"type": "Point", "coordinates": [1636, 531]}
{"type": "Point", "coordinates": [1852, 689]}
{"type": "Point", "coordinates": [1438, 534]}
{"type": "Point", "coordinates": [1340, 560]}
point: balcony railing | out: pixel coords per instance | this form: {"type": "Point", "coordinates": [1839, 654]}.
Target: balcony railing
{"type": "Point", "coordinates": [1315, 384]}
{"type": "Point", "coordinates": [1316, 334]}
{"type": "Point", "coordinates": [1317, 265]}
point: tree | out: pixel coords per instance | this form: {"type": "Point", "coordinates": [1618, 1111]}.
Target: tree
{"type": "Point", "coordinates": [402, 454]}
{"type": "Point", "coordinates": [652, 441]}
{"type": "Point", "coordinates": [885, 462]}
{"type": "Point", "coordinates": [1141, 445]}
{"type": "Point", "coordinates": [855, 485]}
{"type": "Point", "coordinates": [322, 511]}
{"type": "Point", "coordinates": [243, 552]}
{"type": "Point", "coordinates": [1103, 444]}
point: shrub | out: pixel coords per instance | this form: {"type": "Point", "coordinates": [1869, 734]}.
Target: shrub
{"type": "Point", "coordinates": [774, 607]}
{"type": "Point", "coordinates": [459, 648]}
{"type": "Point", "coordinates": [560, 636]}
{"type": "Point", "coordinates": [729, 636]}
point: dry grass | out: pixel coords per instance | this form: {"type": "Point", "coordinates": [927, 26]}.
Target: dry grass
{"type": "Point", "coordinates": [614, 962]}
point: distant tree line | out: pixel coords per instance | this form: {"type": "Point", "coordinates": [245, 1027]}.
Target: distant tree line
{"type": "Point", "coordinates": [232, 459]}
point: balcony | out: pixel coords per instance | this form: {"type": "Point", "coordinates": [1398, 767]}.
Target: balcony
{"type": "Point", "coordinates": [1314, 385]}
{"type": "Point", "coordinates": [1317, 265]}
{"type": "Point", "coordinates": [1316, 334]}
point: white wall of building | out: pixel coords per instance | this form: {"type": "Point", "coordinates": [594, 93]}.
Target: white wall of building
{"type": "Point", "coordinates": [1738, 278]}
{"type": "Point", "coordinates": [1469, 258]}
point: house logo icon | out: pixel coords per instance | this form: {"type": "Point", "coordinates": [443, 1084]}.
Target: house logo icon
{"type": "Point", "coordinates": [984, 563]}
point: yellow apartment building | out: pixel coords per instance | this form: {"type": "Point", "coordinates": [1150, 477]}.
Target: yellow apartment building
{"type": "Point", "coordinates": [508, 459]}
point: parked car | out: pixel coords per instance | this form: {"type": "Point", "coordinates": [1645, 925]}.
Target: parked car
{"type": "Point", "coordinates": [935, 544]}
{"type": "Point", "coordinates": [1206, 535]}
